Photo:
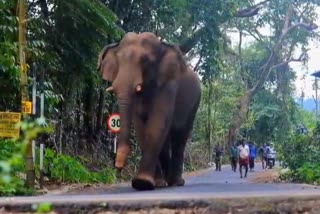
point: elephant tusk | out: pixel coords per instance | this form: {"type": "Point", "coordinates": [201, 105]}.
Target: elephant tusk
{"type": "Point", "coordinates": [109, 89]}
{"type": "Point", "coordinates": [138, 88]}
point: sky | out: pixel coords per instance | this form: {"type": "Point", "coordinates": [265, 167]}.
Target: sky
{"type": "Point", "coordinates": [304, 80]}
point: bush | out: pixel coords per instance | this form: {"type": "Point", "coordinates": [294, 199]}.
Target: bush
{"type": "Point", "coordinates": [301, 154]}
{"type": "Point", "coordinates": [68, 169]}
{"type": "Point", "coordinates": [11, 168]}
{"type": "Point", "coordinates": [12, 163]}
{"type": "Point", "coordinates": [302, 149]}
{"type": "Point", "coordinates": [309, 173]}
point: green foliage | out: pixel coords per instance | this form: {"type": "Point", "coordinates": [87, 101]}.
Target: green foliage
{"type": "Point", "coordinates": [12, 162]}
{"type": "Point", "coordinates": [11, 167]}
{"type": "Point", "coordinates": [309, 173]}
{"type": "Point", "coordinates": [9, 70]}
{"type": "Point", "coordinates": [65, 37]}
{"type": "Point", "coordinates": [301, 149]}
{"type": "Point", "coordinates": [301, 154]}
{"type": "Point", "coordinates": [68, 169]}
{"type": "Point", "coordinates": [308, 118]}
{"type": "Point", "coordinates": [44, 208]}
{"type": "Point", "coordinates": [268, 120]}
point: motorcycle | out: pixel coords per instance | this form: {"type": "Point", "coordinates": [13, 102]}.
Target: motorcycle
{"type": "Point", "coordinates": [271, 159]}
{"type": "Point", "coordinates": [270, 162]}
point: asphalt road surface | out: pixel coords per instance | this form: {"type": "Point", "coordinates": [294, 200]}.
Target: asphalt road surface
{"type": "Point", "coordinates": [208, 185]}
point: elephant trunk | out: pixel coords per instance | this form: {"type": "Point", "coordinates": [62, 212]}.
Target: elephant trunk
{"type": "Point", "coordinates": [123, 149]}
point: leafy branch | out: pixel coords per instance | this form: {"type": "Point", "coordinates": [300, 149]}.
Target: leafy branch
{"type": "Point", "coordinates": [190, 42]}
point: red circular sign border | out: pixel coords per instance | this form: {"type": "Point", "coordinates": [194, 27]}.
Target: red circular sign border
{"type": "Point", "coordinates": [110, 128]}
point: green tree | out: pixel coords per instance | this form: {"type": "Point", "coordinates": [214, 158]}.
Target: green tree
{"type": "Point", "coordinates": [295, 29]}
{"type": "Point", "coordinates": [9, 70]}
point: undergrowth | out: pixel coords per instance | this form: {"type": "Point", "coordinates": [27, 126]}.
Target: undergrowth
{"type": "Point", "coordinates": [57, 167]}
{"type": "Point", "coordinates": [304, 159]}
{"type": "Point", "coordinates": [64, 168]}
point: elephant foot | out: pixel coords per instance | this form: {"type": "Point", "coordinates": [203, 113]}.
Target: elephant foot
{"type": "Point", "coordinates": [160, 182]}
{"type": "Point", "coordinates": [176, 182]}
{"type": "Point", "coordinates": [143, 182]}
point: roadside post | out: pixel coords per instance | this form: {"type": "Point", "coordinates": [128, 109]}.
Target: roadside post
{"type": "Point", "coordinates": [113, 124]}
{"type": "Point", "coordinates": [25, 104]}
{"type": "Point", "coordinates": [41, 165]}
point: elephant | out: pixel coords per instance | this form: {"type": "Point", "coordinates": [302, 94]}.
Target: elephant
{"type": "Point", "coordinates": [160, 95]}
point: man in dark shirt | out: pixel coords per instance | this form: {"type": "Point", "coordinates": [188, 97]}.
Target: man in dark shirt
{"type": "Point", "coordinates": [234, 157]}
{"type": "Point", "coordinates": [263, 153]}
{"type": "Point", "coordinates": [218, 153]}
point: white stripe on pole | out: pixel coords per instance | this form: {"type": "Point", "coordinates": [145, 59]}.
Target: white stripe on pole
{"type": "Point", "coordinates": [42, 105]}
{"type": "Point", "coordinates": [115, 145]}
{"type": "Point", "coordinates": [34, 152]}
{"type": "Point", "coordinates": [41, 156]}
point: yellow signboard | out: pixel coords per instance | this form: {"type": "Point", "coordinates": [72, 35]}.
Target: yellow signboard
{"type": "Point", "coordinates": [8, 121]}
{"type": "Point", "coordinates": [26, 107]}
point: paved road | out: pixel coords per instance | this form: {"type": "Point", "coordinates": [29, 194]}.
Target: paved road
{"type": "Point", "coordinates": [204, 189]}
{"type": "Point", "coordinates": [207, 185]}
{"type": "Point", "coordinates": [224, 183]}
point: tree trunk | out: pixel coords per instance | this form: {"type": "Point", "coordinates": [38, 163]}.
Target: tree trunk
{"type": "Point", "coordinates": [239, 116]}
{"type": "Point", "coordinates": [88, 111]}
{"type": "Point", "coordinates": [101, 107]}
{"type": "Point", "coordinates": [209, 124]}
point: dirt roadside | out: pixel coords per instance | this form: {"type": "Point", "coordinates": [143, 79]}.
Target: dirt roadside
{"type": "Point", "coordinates": [268, 176]}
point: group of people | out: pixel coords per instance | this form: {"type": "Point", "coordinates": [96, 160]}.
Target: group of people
{"type": "Point", "coordinates": [244, 153]}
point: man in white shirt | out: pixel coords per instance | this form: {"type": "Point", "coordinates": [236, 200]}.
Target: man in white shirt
{"type": "Point", "coordinates": [244, 152]}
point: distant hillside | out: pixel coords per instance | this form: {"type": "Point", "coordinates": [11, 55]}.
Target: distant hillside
{"type": "Point", "coordinates": [308, 104]}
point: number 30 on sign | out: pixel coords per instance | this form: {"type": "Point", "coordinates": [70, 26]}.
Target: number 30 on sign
{"type": "Point", "coordinates": [114, 122]}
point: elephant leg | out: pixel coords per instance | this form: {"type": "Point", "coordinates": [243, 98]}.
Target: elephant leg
{"type": "Point", "coordinates": [160, 174]}
{"type": "Point", "coordinates": [159, 177]}
{"type": "Point", "coordinates": [139, 127]}
{"type": "Point", "coordinates": [164, 162]}
{"type": "Point", "coordinates": [149, 161]}
{"type": "Point", "coordinates": [179, 139]}
{"type": "Point", "coordinates": [156, 131]}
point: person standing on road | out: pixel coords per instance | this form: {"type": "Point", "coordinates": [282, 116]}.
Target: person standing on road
{"type": "Point", "coordinates": [252, 157]}
{"type": "Point", "coordinates": [244, 152]}
{"type": "Point", "coordinates": [263, 152]}
{"type": "Point", "coordinates": [234, 157]}
{"type": "Point", "coordinates": [218, 154]}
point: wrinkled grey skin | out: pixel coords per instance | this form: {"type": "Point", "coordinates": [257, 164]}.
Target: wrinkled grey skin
{"type": "Point", "coordinates": [158, 93]}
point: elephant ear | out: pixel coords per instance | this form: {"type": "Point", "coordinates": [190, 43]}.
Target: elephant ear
{"type": "Point", "coordinates": [107, 62]}
{"type": "Point", "coordinates": [172, 64]}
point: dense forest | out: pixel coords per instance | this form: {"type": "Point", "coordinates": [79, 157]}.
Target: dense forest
{"type": "Point", "coordinates": [247, 87]}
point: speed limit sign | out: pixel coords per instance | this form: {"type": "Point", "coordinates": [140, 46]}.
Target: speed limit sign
{"type": "Point", "coordinates": [114, 122]}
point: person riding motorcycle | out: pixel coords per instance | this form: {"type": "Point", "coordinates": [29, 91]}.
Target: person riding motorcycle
{"type": "Point", "coordinates": [271, 156]}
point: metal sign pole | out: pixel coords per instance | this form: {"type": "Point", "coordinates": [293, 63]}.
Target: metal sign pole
{"type": "Point", "coordinates": [30, 173]}
{"type": "Point", "coordinates": [115, 144]}
{"type": "Point", "coordinates": [41, 165]}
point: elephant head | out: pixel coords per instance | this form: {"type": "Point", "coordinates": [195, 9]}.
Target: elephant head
{"type": "Point", "coordinates": [131, 65]}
